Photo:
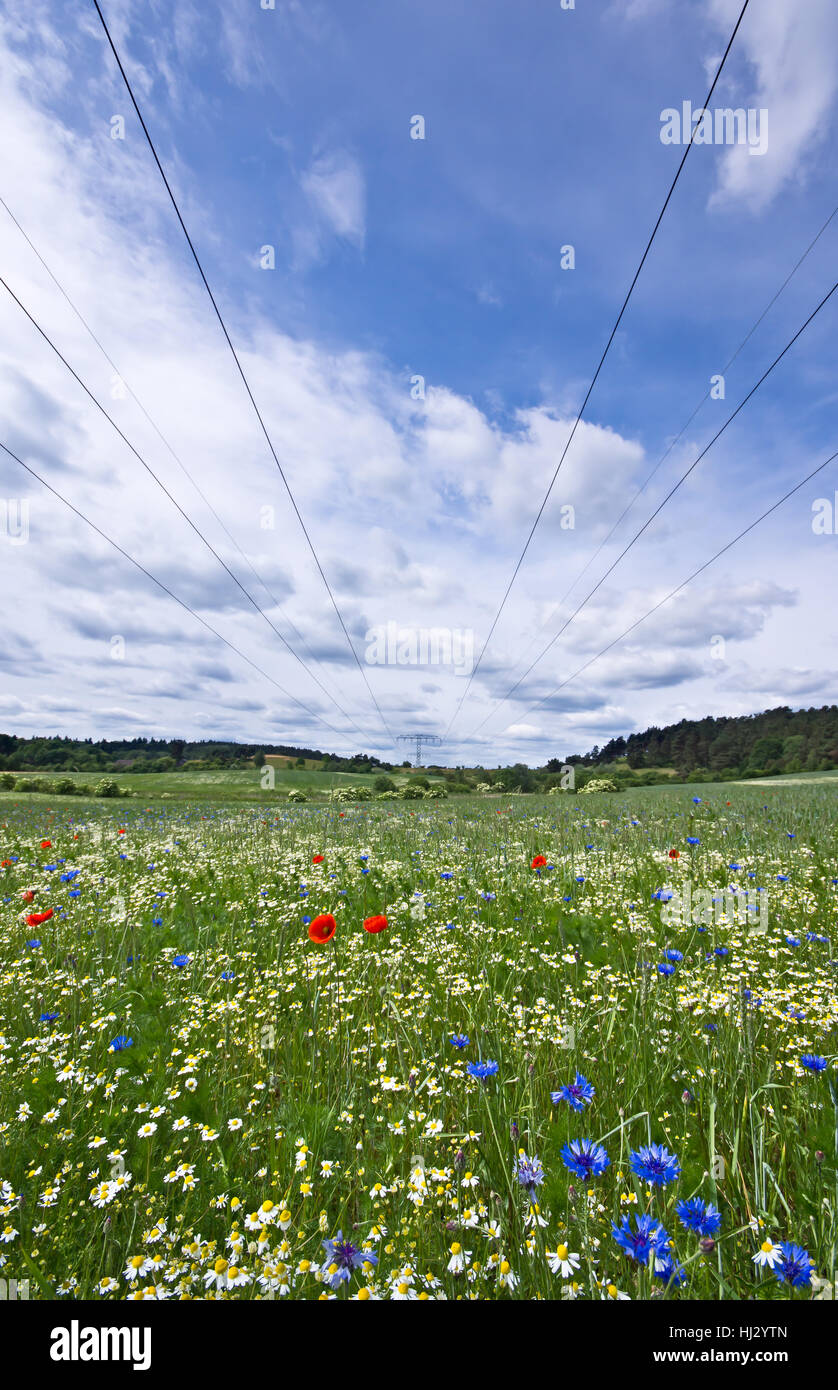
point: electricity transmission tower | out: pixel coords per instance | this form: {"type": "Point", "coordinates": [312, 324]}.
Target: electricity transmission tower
{"type": "Point", "coordinates": [433, 740]}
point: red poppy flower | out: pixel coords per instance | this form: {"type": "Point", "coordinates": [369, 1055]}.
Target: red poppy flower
{"type": "Point", "coordinates": [675, 854]}
{"type": "Point", "coordinates": [36, 918]}
{"type": "Point", "coordinates": [120, 832]}
{"type": "Point", "coordinates": [539, 862]}
{"type": "Point", "coordinates": [341, 815]}
{"type": "Point", "coordinates": [317, 858]}
{"type": "Point", "coordinates": [28, 895]}
{"type": "Point", "coordinates": [46, 844]}
{"type": "Point", "coordinates": [322, 929]}
{"type": "Point", "coordinates": [375, 924]}
{"type": "Point", "coordinates": [6, 864]}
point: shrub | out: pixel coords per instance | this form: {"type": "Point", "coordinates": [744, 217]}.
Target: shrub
{"type": "Point", "coordinates": [7, 781]}
{"type": "Point", "coordinates": [411, 792]}
{"type": "Point", "coordinates": [351, 794]}
{"type": "Point", "coordinates": [599, 784]}
{"type": "Point", "coordinates": [106, 787]}
{"type": "Point", "coordinates": [384, 784]}
{"type": "Point", "coordinates": [438, 793]}
{"type": "Point", "coordinates": [297, 795]}
{"type": "Point", "coordinates": [27, 784]}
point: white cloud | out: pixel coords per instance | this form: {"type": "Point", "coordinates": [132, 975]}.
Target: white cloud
{"type": "Point", "coordinates": [336, 190]}
{"type": "Point", "coordinates": [792, 50]}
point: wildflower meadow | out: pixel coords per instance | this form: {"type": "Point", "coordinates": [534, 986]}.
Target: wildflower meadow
{"type": "Point", "coordinates": [526, 1048]}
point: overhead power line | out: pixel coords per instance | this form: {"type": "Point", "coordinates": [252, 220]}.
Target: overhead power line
{"type": "Point", "coordinates": [181, 465]}
{"type": "Point", "coordinates": [241, 372]}
{"type": "Point", "coordinates": [595, 377]}
{"type": "Point", "coordinates": [647, 523]}
{"type": "Point", "coordinates": [198, 532]}
{"type": "Point", "coordinates": [677, 438]}
{"type": "Point", "coordinates": [166, 590]}
{"type": "Point", "coordinates": [707, 563]}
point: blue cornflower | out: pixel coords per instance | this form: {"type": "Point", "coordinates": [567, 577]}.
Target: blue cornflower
{"type": "Point", "coordinates": [669, 1270]}
{"type": "Point", "coordinates": [460, 1040]}
{"type": "Point", "coordinates": [228, 975]}
{"type": "Point", "coordinates": [693, 840]}
{"type": "Point", "coordinates": [699, 1216]}
{"type": "Point", "coordinates": [665, 968]}
{"type": "Point", "coordinates": [654, 1164]}
{"type": "Point", "coordinates": [34, 944]}
{"type": "Point", "coordinates": [792, 941]}
{"type": "Point", "coordinates": [343, 1258]}
{"type": "Point", "coordinates": [720, 951]}
{"type": "Point", "coordinates": [677, 956]}
{"type": "Point", "coordinates": [180, 961]}
{"type": "Point", "coordinates": [157, 921]}
{"type": "Point", "coordinates": [446, 875]}
{"type": "Point", "coordinates": [48, 1018]}
{"type": "Point", "coordinates": [812, 1062]}
{"type": "Point", "coordinates": [578, 1093]}
{"type": "Point", "coordinates": [697, 800]}
{"type": "Point", "coordinates": [585, 1158]}
{"type": "Point", "coordinates": [482, 1070]}
{"type": "Point", "coordinates": [782, 878]}
{"type": "Point", "coordinates": [529, 1172]}
{"type": "Point", "coordinates": [639, 1244]}
{"type": "Point", "coordinates": [119, 1044]}
{"type": "Point", "coordinates": [795, 1267]}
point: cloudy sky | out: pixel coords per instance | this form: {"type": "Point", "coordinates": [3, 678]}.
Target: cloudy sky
{"type": "Point", "coordinates": [419, 354]}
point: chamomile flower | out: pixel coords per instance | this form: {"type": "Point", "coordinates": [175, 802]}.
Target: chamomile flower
{"type": "Point", "coordinates": [562, 1262]}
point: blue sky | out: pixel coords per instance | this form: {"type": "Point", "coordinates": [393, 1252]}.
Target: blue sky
{"type": "Point", "coordinates": [397, 258]}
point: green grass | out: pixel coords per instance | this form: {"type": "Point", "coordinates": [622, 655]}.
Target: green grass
{"type": "Point", "coordinates": [218, 785]}
{"type": "Point", "coordinates": [322, 1079]}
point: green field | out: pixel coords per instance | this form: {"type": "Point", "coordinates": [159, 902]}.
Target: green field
{"type": "Point", "coordinates": [219, 785]}
{"type": "Point", "coordinates": [196, 1098]}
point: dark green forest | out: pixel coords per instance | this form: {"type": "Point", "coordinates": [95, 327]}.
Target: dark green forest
{"type": "Point", "coordinates": [778, 740]}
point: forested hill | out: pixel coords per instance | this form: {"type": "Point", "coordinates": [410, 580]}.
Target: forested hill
{"type": "Point", "coordinates": [778, 740]}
